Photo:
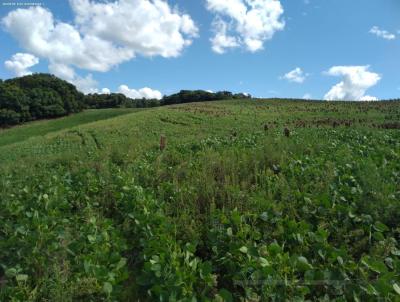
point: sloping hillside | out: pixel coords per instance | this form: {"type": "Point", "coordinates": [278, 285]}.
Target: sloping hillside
{"type": "Point", "coordinates": [40, 128]}
{"type": "Point", "coordinates": [250, 200]}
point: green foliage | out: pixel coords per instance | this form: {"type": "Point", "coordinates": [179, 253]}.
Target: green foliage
{"type": "Point", "coordinates": [117, 100]}
{"type": "Point", "coordinates": [73, 100]}
{"type": "Point", "coordinates": [45, 102]}
{"type": "Point", "coordinates": [13, 105]}
{"type": "Point", "coordinates": [41, 128]}
{"type": "Point", "coordinates": [230, 210]}
{"type": "Point", "coordinates": [190, 96]}
{"type": "Point", "coordinates": [37, 96]}
{"type": "Point", "coordinates": [9, 117]}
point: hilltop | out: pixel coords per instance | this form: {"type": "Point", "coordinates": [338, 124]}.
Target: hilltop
{"type": "Point", "coordinates": [44, 96]}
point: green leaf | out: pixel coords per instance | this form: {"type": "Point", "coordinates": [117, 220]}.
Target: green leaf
{"type": "Point", "coordinates": [380, 227]}
{"type": "Point", "coordinates": [355, 297]}
{"type": "Point", "coordinates": [264, 216]}
{"type": "Point", "coordinates": [11, 272]}
{"type": "Point", "coordinates": [236, 218]}
{"type": "Point", "coordinates": [21, 277]}
{"type": "Point", "coordinates": [91, 238]}
{"type": "Point", "coordinates": [351, 215]}
{"type": "Point", "coordinates": [303, 263]}
{"type": "Point", "coordinates": [378, 236]}
{"type": "Point", "coordinates": [396, 288]}
{"type": "Point", "coordinates": [229, 232]}
{"type": "Point", "coordinates": [206, 269]}
{"type": "Point", "coordinates": [264, 262]}
{"type": "Point", "coordinates": [121, 263]}
{"type": "Point", "coordinates": [395, 252]}
{"type": "Point", "coordinates": [243, 249]}
{"type": "Point", "coordinates": [107, 288]}
{"type": "Point", "coordinates": [225, 295]}
{"type": "Point", "coordinates": [156, 267]}
{"type": "Point", "coordinates": [370, 290]}
{"type": "Point", "coordinates": [274, 248]}
{"type": "Point", "coordinates": [374, 265]}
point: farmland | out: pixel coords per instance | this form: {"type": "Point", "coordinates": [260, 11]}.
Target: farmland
{"type": "Point", "coordinates": [232, 210]}
{"type": "Point", "coordinates": [21, 133]}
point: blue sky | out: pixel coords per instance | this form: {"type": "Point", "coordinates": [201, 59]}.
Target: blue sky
{"type": "Point", "coordinates": [317, 35]}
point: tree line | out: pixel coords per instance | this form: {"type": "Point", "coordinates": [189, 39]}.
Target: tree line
{"type": "Point", "coordinates": [189, 96]}
{"type": "Point", "coordinates": [118, 100]}
{"type": "Point", "coordinates": [43, 96]}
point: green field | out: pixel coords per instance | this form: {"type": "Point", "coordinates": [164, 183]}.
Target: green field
{"type": "Point", "coordinates": [231, 210]}
{"type": "Point", "coordinates": [40, 128]}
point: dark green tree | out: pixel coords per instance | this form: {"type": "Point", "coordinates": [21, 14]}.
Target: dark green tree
{"type": "Point", "coordinates": [37, 96]}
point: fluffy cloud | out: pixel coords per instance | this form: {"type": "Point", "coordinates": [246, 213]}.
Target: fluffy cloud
{"type": "Point", "coordinates": [149, 28]}
{"type": "Point", "coordinates": [88, 85]}
{"type": "Point", "coordinates": [38, 32]}
{"type": "Point", "coordinates": [382, 33]}
{"type": "Point", "coordinates": [356, 81]}
{"type": "Point", "coordinates": [368, 98]}
{"type": "Point", "coordinates": [247, 23]}
{"type": "Point", "coordinates": [296, 75]}
{"type": "Point", "coordinates": [307, 96]}
{"type": "Point", "coordinates": [20, 63]}
{"type": "Point", "coordinates": [221, 40]}
{"type": "Point", "coordinates": [103, 34]}
{"type": "Point", "coordinates": [62, 71]}
{"type": "Point", "coordinates": [84, 84]}
{"type": "Point", "coordinates": [145, 92]}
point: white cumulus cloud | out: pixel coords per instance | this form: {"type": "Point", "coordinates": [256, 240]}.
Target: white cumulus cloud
{"type": "Point", "coordinates": [381, 33]}
{"type": "Point", "coordinates": [368, 98]}
{"type": "Point", "coordinates": [297, 75]}
{"type": "Point", "coordinates": [102, 35]}
{"type": "Point", "coordinates": [62, 43]}
{"type": "Point", "coordinates": [356, 81]}
{"type": "Point", "coordinates": [20, 63]}
{"type": "Point", "coordinates": [149, 28]}
{"type": "Point", "coordinates": [246, 23]}
{"type": "Point", "coordinates": [84, 84]}
{"type": "Point", "coordinates": [222, 40]}
{"type": "Point", "coordinates": [146, 93]}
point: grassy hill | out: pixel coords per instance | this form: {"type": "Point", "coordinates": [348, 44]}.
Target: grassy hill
{"type": "Point", "coordinates": [40, 128]}
{"type": "Point", "coordinates": [232, 210]}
